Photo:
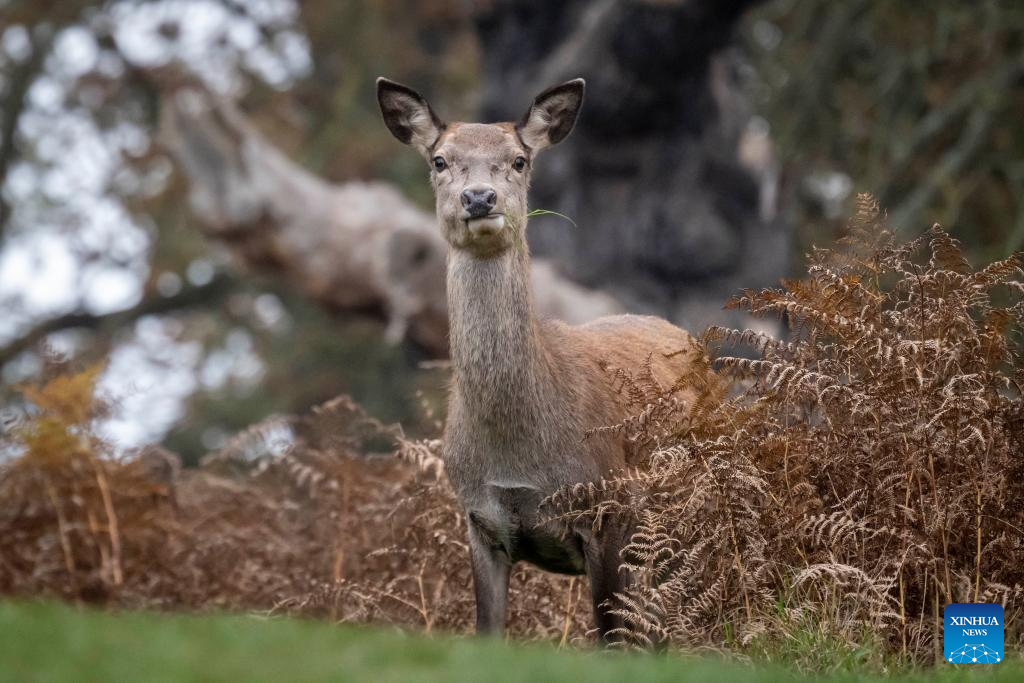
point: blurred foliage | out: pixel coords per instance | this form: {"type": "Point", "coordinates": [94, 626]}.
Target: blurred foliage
{"type": "Point", "coordinates": [917, 103]}
{"type": "Point", "coordinates": [329, 120]}
{"type": "Point", "coordinates": [334, 356]}
{"type": "Point", "coordinates": [66, 405]}
{"type": "Point", "coordinates": [66, 480]}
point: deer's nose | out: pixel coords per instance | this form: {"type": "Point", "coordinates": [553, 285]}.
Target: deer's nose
{"type": "Point", "coordinates": [479, 200]}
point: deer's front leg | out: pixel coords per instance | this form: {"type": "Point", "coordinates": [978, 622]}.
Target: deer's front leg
{"type": "Point", "coordinates": [491, 567]}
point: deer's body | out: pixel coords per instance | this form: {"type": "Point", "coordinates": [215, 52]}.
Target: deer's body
{"type": "Point", "coordinates": [525, 392]}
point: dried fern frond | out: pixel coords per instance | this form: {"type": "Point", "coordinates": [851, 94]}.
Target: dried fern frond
{"type": "Point", "coordinates": [869, 470]}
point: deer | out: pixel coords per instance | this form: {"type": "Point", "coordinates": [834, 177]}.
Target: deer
{"type": "Point", "coordinates": [528, 396]}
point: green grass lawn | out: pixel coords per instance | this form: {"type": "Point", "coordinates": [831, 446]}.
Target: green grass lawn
{"type": "Point", "coordinates": [53, 642]}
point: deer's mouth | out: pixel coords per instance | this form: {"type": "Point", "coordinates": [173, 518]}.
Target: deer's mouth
{"type": "Point", "coordinates": [485, 226]}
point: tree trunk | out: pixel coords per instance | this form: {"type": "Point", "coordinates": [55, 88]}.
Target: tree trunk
{"type": "Point", "coordinates": [672, 185]}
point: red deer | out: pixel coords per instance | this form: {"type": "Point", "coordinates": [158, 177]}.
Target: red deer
{"type": "Point", "coordinates": [525, 392]}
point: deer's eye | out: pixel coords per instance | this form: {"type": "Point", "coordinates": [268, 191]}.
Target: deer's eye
{"type": "Point", "coordinates": [519, 164]}
{"type": "Point", "coordinates": [440, 164]}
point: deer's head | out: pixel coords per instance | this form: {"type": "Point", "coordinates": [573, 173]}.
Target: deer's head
{"type": "Point", "coordinates": [481, 171]}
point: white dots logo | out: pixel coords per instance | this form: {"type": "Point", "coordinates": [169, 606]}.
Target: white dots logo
{"type": "Point", "coordinates": [974, 653]}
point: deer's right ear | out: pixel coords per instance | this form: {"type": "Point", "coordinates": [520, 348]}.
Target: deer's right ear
{"type": "Point", "coordinates": [408, 115]}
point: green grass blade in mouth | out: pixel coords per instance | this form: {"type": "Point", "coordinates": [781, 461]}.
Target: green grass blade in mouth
{"type": "Point", "coordinates": [546, 212]}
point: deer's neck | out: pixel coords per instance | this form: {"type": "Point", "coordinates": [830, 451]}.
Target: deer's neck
{"type": "Point", "coordinates": [501, 364]}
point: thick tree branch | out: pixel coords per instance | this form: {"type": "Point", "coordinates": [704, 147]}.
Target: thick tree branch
{"type": "Point", "coordinates": [209, 294]}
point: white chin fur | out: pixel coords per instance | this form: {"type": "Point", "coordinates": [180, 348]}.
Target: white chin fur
{"type": "Point", "coordinates": [489, 225]}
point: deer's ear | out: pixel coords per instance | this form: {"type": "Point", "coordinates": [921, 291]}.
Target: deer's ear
{"type": "Point", "coordinates": [408, 115]}
{"type": "Point", "coordinates": [552, 115]}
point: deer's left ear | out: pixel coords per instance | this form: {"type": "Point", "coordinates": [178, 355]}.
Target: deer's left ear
{"type": "Point", "coordinates": [408, 115]}
{"type": "Point", "coordinates": [552, 115]}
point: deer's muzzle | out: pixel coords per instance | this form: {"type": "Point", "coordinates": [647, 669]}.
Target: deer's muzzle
{"type": "Point", "coordinates": [478, 200]}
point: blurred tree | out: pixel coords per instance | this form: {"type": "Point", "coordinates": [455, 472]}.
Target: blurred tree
{"type": "Point", "coordinates": [917, 103]}
{"type": "Point", "coordinates": [100, 257]}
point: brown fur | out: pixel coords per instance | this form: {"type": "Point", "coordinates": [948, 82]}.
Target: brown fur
{"type": "Point", "coordinates": [526, 392]}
